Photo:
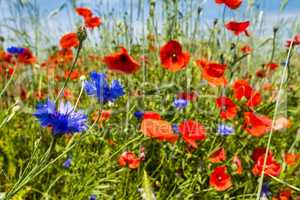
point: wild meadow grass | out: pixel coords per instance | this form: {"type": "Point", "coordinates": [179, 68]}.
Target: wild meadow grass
{"type": "Point", "coordinates": [149, 100]}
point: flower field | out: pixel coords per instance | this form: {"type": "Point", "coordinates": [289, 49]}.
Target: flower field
{"type": "Point", "coordinates": [149, 99]}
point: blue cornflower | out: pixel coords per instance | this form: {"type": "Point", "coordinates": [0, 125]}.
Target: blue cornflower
{"type": "Point", "coordinates": [180, 103]}
{"type": "Point", "coordinates": [265, 192]}
{"type": "Point", "coordinates": [175, 128]}
{"type": "Point", "coordinates": [139, 114]}
{"type": "Point", "coordinates": [15, 50]}
{"type": "Point", "coordinates": [67, 163]}
{"type": "Point", "coordinates": [93, 197]}
{"type": "Point", "coordinates": [64, 120]}
{"type": "Point", "coordinates": [225, 130]}
{"type": "Point", "coordinates": [98, 87]}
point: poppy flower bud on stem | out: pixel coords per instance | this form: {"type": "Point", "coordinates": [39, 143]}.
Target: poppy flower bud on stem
{"type": "Point", "coordinates": [215, 22]}
{"type": "Point", "coordinates": [81, 33]}
{"type": "Point", "coordinates": [199, 10]}
{"type": "Point", "coordinates": [275, 29]}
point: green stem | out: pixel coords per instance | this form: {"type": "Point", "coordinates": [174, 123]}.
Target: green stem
{"type": "Point", "coordinates": [26, 177]}
{"type": "Point", "coordinates": [8, 83]}
{"type": "Point", "coordinates": [71, 70]}
{"type": "Point", "coordinates": [283, 78]}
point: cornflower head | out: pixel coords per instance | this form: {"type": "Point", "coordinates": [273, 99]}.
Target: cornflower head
{"type": "Point", "coordinates": [180, 103]}
{"type": "Point", "coordinates": [225, 130]}
{"type": "Point", "coordinates": [15, 50]}
{"type": "Point", "coordinates": [99, 88]}
{"type": "Point", "coordinates": [62, 120]}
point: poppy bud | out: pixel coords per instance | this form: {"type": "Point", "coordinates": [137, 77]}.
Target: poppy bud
{"type": "Point", "coordinates": [232, 46]}
{"type": "Point", "coordinates": [81, 33]}
{"type": "Point", "coordinates": [199, 10]}
{"type": "Point", "coordinates": [215, 22]}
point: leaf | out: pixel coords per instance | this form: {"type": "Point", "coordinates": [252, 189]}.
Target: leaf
{"type": "Point", "coordinates": [57, 10]}
{"type": "Point", "coordinates": [147, 193]}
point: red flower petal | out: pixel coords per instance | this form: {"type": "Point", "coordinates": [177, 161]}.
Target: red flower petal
{"type": "Point", "coordinates": [84, 12]}
{"type": "Point", "coordinates": [192, 131]}
{"type": "Point", "coordinates": [171, 56]}
{"type": "Point", "coordinates": [219, 179]}
{"type": "Point", "coordinates": [218, 156]}
{"type": "Point", "coordinates": [69, 40]}
{"type": "Point", "coordinates": [121, 62]}
{"type": "Point", "coordinates": [238, 27]}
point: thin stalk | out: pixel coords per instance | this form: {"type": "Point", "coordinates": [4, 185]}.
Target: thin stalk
{"type": "Point", "coordinates": [8, 82]}
{"type": "Point", "coordinates": [273, 44]}
{"type": "Point", "coordinates": [71, 70]}
{"type": "Point", "coordinates": [283, 77]}
{"type": "Point", "coordinates": [26, 177]}
{"type": "Point", "coordinates": [79, 96]}
{"type": "Point", "coordinates": [285, 183]}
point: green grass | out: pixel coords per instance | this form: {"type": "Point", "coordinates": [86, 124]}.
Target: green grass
{"type": "Point", "coordinates": [30, 168]}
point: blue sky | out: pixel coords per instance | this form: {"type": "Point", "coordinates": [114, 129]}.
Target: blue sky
{"type": "Point", "coordinates": [65, 20]}
{"type": "Point", "coordinates": [210, 7]}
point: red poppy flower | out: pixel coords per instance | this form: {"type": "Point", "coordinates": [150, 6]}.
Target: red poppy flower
{"type": "Point", "coordinates": [6, 71]}
{"type": "Point", "coordinates": [219, 179]}
{"type": "Point", "coordinates": [295, 41]}
{"type": "Point", "coordinates": [172, 57]}
{"type": "Point", "coordinates": [218, 156]}
{"type": "Point", "coordinates": [246, 49]}
{"type": "Point", "coordinates": [259, 151]}
{"type": "Point", "coordinates": [158, 129]}
{"type": "Point", "coordinates": [26, 57]}
{"type": "Point", "coordinates": [272, 167]}
{"type": "Point", "coordinates": [241, 88]}
{"type": "Point", "coordinates": [39, 95]}
{"type": "Point", "coordinates": [188, 96]}
{"type": "Point", "coordinates": [73, 75]}
{"type": "Point", "coordinates": [233, 4]}
{"type": "Point", "coordinates": [213, 72]}
{"type": "Point", "coordinates": [228, 108]}
{"type": "Point", "coordinates": [92, 22]}
{"type": "Point", "coordinates": [23, 94]}
{"type": "Point", "coordinates": [192, 131]}
{"type": "Point", "coordinates": [261, 73]}
{"type": "Point", "coordinates": [5, 57]}
{"type": "Point", "coordinates": [69, 40]}
{"type": "Point", "coordinates": [238, 27]}
{"type": "Point", "coordinates": [254, 100]}
{"type": "Point", "coordinates": [105, 115]}
{"type": "Point", "coordinates": [151, 115]}
{"type": "Point", "coordinates": [291, 158]}
{"type": "Point", "coordinates": [256, 125]}
{"type": "Point", "coordinates": [129, 159]}
{"type": "Point", "coordinates": [121, 62]}
{"type": "Point", "coordinates": [238, 164]}
{"type": "Point", "coordinates": [84, 12]}
{"type": "Point", "coordinates": [67, 94]}
{"type": "Point", "coordinates": [64, 56]}
{"type": "Point", "coordinates": [285, 194]}
{"type": "Point", "coordinates": [272, 66]}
